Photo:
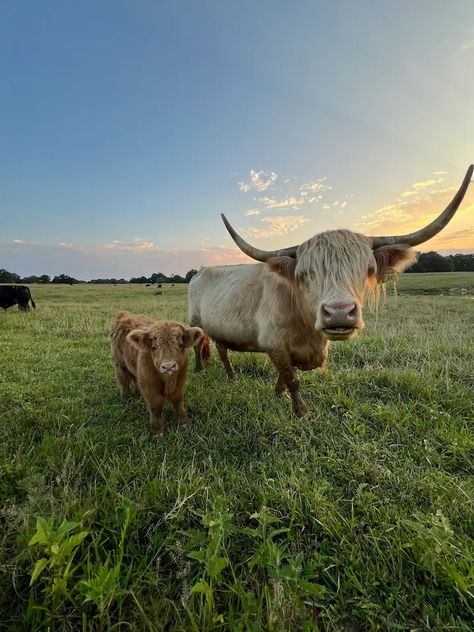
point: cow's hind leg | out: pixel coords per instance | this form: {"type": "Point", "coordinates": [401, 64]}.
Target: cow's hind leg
{"type": "Point", "coordinates": [287, 374]}
{"type": "Point", "coordinates": [223, 352]}
{"type": "Point", "coordinates": [124, 378]}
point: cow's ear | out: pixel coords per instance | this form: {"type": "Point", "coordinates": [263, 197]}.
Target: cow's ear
{"type": "Point", "coordinates": [192, 336]}
{"type": "Point", "coordinates": [284, 266]}
{"type": "Point", "coordinates": [139, 339]}
{"type": "Point", "coordinates": [392, 259]}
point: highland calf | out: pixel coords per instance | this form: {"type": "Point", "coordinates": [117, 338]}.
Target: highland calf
{"type": "Point", "coordinates": [153, 354]}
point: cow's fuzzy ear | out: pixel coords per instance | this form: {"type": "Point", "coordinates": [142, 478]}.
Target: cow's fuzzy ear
{"type": "Point", "coordinates": [284, 266]}
{"type": "Point", "coordinates": [393, 259]}
{"type": "Point", "coordinates": [139, 339]}
{"type": "Point", "coordinates": [192, 336]}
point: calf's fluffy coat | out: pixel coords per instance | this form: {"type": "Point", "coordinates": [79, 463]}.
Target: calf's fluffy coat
{"type": "Point", "coordinates": [153, 354]}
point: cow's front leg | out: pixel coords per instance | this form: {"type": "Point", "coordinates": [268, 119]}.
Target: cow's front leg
{"type": "Point", "coordinates": [283, 365]}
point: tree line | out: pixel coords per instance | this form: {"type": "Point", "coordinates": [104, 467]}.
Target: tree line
{"type": "Point", "coordinates": [427, 262]}
{"type": "Point", "coordinates": [156, 277]}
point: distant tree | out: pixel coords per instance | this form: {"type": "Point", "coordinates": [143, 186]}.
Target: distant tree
{"type": "Point", "coordinates": [189, 275]}
{"type": "Point", "coordinates": [8, 277]}
{"type": "Point", "coordinates": [158, 277]}
{"type": "Point", "coordinates": [463, 263]}
{"type": "Point", "coordinates": [65, 278]}
{"type": "Point", "coordinates": [176, 278]}
{"type": "Point", "coordinates": [142, 279]}
{"type": "Point", "coordinates": [45, 278]}
{"type": "Point", "coordinates": [30, 279]}
{"type": "Point", "coordinates": [109, 281]}
{"type": "Point", "coordinates": [432, 262]}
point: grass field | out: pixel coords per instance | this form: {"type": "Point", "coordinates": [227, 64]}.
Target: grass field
{"type": "Point", "coordinates": [360, 518]}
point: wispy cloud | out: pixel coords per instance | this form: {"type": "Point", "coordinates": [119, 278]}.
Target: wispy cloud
{"type": "Point", "coordinates": [258, 181]}
{"type": "Point", "coordinates": [315, 186]}
{"type": "Point", "coordinates": [274, 226]}
{"type": "Point", "coordinates": [251, 211]}
{"type": "Point", "coordinates": [137, 245]}
{"type": "Point", "coordinates": [86, 261]}
{"type": "Point", "coordinates": [423, 184]}
{"type": "Point", "coordinates": [467, 44]}
{"type": "Point", "coordinates": [440, 173]}
{"type": "Point", "coordinates": [411, 212]}
{"type": "Point", "coordinates": [291, 202]}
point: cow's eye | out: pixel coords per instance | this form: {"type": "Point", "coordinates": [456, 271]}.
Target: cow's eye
{"type": "Point", "coordinates": [371, 271]}
{"type": "Point", "coordinates": [181, 345]}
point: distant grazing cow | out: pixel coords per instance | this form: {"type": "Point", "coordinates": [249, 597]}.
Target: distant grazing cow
{"type": "Point", "coordinates": [153, 354]}
{"type": "Point", "coordinates": [299, 298]}
{"type": "Point", "coordinates": [159, 285]}
{"type": "Point", "coordinates": [158, 293]}
{"type": "Point", "coordinates": [147, 285]}
{"type": "Point", "coordinates": [16, 295]}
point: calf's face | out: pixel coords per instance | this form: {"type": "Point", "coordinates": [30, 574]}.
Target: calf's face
{"type": "Point", "coordinates": [167, 344]}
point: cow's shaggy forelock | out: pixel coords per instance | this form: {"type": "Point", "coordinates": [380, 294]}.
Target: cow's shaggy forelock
{"type": "Point", "coordinates": [336, 262]}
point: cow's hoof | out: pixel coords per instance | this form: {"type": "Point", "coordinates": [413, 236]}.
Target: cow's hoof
{"type": "Point", "coordinates": [157, 431]}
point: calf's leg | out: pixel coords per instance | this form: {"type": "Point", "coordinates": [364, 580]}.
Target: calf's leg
{"type": "Point", "coordinates": [223, 352]}
{"type": "Point", "coordinates": [287, 374]}
{"type": "Point", "coordinates": [124, 377]}
{"type": "Point", "coordinates": [155, 404]}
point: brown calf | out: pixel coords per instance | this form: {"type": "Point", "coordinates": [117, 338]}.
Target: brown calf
{"type": "Point", "coordinates": [153, 354]}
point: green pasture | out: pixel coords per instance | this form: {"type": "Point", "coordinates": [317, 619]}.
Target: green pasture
{"type": "Point", "coordinates": [359, 518]}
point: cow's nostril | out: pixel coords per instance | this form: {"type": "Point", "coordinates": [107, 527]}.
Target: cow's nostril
{"type": "Point", "coordinates": [353, 312]}
{"type": "Point", "coordinates": [325, 311]}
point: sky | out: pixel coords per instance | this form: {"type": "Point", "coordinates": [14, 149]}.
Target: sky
{"type": "Point", "coordinates": [126, 128]}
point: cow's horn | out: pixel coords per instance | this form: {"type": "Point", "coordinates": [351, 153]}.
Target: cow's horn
{"type": "Point", "coordinates": [256, 253]}
{"type": "Point", "coordinates": [418, 237]}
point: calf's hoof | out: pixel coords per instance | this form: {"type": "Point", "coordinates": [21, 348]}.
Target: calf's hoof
{"type": "Point", "coordinates": [300, 411]}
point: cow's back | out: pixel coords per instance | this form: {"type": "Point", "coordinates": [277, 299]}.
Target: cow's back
{"type": "Point", "coordinates": [123, 352]}
{"type": "Point", "coordinates": [224, 301]}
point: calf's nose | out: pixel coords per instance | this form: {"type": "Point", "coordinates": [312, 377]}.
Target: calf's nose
{"type": "Point", "coordinates": [169, 367]}
{"type": "Point", "coordinates": [341, 314]}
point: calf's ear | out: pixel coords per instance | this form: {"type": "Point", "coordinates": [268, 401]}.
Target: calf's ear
{"type": "Point", "coordinates": [139, 339]}
{"type": "Point", "coordinates": [392, 259]}
{"type": "Point", "coordinates": [192, 336]}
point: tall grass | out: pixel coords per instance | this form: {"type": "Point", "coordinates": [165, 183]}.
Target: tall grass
{"type": "Point", "coordinates": [359, 518]}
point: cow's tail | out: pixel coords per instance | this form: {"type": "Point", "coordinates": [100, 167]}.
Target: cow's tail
{"type": "Point", "coordinates": [206, 348]}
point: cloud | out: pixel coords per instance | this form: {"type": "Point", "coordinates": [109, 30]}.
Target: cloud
{"type": "Point", "coordinates": [274, 226]}
{"type": "Point", "coordinates": [316, 185]}
{"type": "Point", "coordinates": [406, 194]}
{"type": "Point", "coordinates": [137, 245]}
{"type": "Point", "coordinates": [259, 181]}
{"type": "Point", "coordinates": [86, 261]}
{"type": "Point", "coordinates": [467, 44]}
{"type": "Point", "coordinates": [251, 211]}
{"type": "Point", "coordinates": [423, 184]}
{"type": "Point", "coordinates": [440, 173]}
{"type": "Point", "coordinates": [292, 202]}
{"type": "Point", "coordinates": [408, 215]}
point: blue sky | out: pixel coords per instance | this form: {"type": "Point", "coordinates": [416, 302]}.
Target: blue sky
{"type": "Point", "coordinates": [127, 127]}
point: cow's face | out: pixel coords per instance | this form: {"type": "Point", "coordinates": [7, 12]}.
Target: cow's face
{"type": "Point", "coordinates": [336, 269]}
{"type": "Point", "coordinates": [167, 343]}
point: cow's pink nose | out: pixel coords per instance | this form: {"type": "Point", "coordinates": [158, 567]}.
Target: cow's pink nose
{"type": "Point", "coordinates": [169, 367]}
{"type": "Point", "coordinates": [340, 314]}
